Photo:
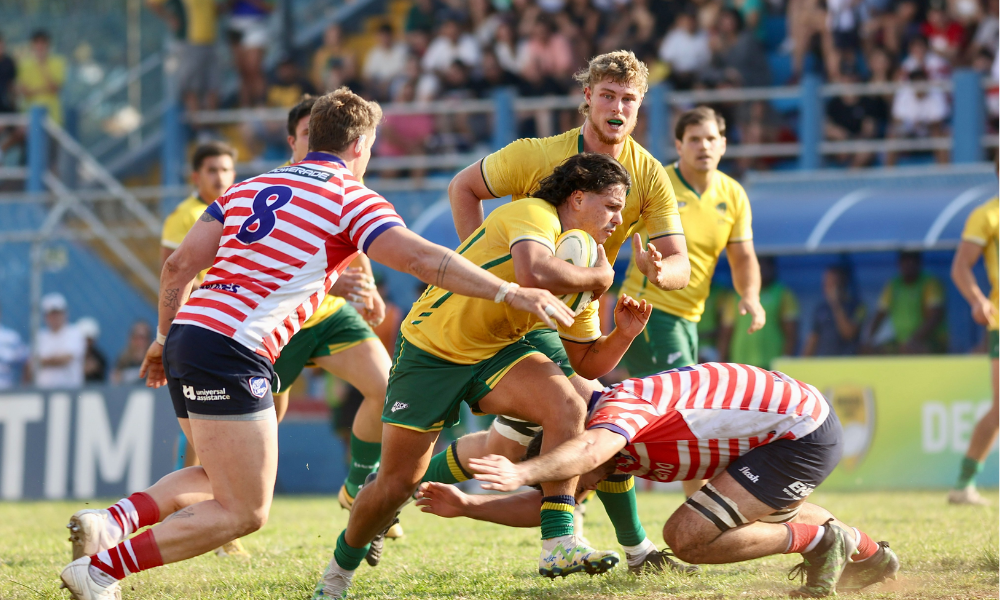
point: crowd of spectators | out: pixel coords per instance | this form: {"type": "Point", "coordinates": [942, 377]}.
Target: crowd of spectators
{"type": "Point", "coordinates": [459, 49]}
{"type": "Point", "coordinates": [33, 78]}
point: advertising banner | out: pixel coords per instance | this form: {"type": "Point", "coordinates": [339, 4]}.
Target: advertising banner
{"type": "Point", "coordinates": [907, 419]}
{"type": "Point", "coordinates": [103, 441]}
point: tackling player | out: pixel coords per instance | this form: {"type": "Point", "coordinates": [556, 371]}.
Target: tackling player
{"type": "Point", "coordinates": [454, 349]}
{"type": "Point", "coordinates": [979, 239]}
{"type": "Point", "coordinates": [613, 85]}
{"type": "Point", "coordinates": [715, 213]}
{"type": "Point", "coordinates": [763, 439]}
{"type": "Point", "coordinates": [275, 244]}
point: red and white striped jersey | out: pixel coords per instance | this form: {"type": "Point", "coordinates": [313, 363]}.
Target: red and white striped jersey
{"type": "Point", "coordinates": [690, 423]}
{"type": "Point", "coordinates": [287, 236]}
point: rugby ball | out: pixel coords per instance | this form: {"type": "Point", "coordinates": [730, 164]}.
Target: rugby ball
{"type": "Point", "coordinates": [577, 248]}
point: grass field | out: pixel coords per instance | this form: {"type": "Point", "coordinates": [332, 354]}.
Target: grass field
{"type": "Point", "coordinates": [946, 552]}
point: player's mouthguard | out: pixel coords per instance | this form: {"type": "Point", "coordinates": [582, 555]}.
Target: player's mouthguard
{"type": "Point", "coordinates": [615, 121]}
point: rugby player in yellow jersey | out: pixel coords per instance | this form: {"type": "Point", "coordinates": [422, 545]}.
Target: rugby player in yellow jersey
{"type": "Point", "coordinates": [715, 213]}
{"type": "Point", "coordinates": [613, 86]}
{"type": "Point", "coordinates": [980, 238]}
{"type": "Point", "coordinates": [455, 349]}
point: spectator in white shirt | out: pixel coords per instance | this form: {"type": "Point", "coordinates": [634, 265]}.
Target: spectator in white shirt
{"type": "Point", "coordinates": [384, 62]}
{"type": "Point", "coordinates": [60, 348]}
{"type": "Point", "coordinates": [918, 113]}
{"type": "Point", "coordinates": [451, 44]}
{"type": "Point", "coordinates": [686, 50]}
{"type": "Point", "coordinates": [920, 57]}
{"type": "Point", "coordinates": [13, 355]}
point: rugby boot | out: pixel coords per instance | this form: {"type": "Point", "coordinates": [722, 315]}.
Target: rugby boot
{"type": "Point", "coordinates": [334, 583]}
{"type": "Point", "coordinates": [657, 561]}
{"type": "Point", "coordinates": [233, 548]}
{"type": "Point", "coordinates": [577, 557]}
{"type": "Point", "coordinates": [346, 502]}
{"type": "Point", "coordinates": [375, 549]}
{"type": "Point", "coordinates": [878, 567]}
{"type": "Point", "coordinates": [967, 495]}
{"type": "Point", "coordinates": [76, 578]}
{"type": "Point", "coordinates": [88, 531]}
{"type": "Point", "coordinates": [823, 566]}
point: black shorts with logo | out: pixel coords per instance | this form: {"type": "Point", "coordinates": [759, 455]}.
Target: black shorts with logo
{"type": "Point", "coordinates": [211, 376]}
{"type": "Point", "coordinates": [786, 471]}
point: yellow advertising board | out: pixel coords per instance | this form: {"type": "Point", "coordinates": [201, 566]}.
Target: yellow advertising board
{"type": "Point", "coordinates": [907, 419]}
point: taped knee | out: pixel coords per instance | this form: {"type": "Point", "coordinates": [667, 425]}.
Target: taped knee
{"type": "Point", "coordinates": [716, 508]}
{"type": "Point", "coordinates": [782, 516]}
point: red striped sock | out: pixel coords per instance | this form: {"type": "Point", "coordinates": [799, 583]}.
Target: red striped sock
{"type": "Point", "coordinates": [135, 512]}
{"type": "Point", "coordinates": [800, 536]}
{"type": "Point", "coordinates": [131, 556]}
{"type": "Point", "coordinates": [866, 547]}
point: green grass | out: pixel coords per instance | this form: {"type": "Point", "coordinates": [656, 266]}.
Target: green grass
{"type": "Point", "coordinates": [946, 552]}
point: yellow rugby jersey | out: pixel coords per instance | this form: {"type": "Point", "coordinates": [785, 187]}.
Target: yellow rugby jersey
{"type": "Point", "coordinates": [518, 169]}
{"type": "Point", "coordinates": [187, 213]}
{"type": "Point", "coordinates": [466, 330]}
{"type": "Point", "coordinates": [981, 230]}
{"type": "Point", "coordinates": [712, 220]}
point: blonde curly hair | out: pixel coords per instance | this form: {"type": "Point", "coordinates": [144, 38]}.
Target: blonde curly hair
{"type": "Point", "coordinates": [621, 66]}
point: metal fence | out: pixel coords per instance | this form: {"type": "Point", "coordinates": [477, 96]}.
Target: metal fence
{"type": "Point", "coordinates": [504, 111]}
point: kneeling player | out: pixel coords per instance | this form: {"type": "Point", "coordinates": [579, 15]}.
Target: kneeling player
{"type": "Point", "coordinates": [763, 439]}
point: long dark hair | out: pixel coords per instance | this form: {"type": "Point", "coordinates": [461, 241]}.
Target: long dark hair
{"type": "Point", "coordinates": [587, 172]}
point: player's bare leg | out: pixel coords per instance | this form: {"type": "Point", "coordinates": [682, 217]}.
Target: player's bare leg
{"type": "Point", "coordinates": [281, 405]}
{"type": "Point", "coordinates": [366, 367]}
{"type": "Point", "coordinates": [240, 461]}
{"type": "Point", "coordinates": [561, 415]}
{"type": "Point", "coordinates": [405, 456]}
{"type": "Point", "coordinates": [96, 530]}
{"type": "Point", "coordinates": [722, 525]}
{"type": "Point", "coordinates": [980, 443]}
{"type": "Point", "coordinates": [693, 485]}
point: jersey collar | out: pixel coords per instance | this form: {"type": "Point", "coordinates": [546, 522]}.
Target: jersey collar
{"type": "Point", "coordinates": [677, 169]}
{"type": "Point", "coordinates": [325, 157]}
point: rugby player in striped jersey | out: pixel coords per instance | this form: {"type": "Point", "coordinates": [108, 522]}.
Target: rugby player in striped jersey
{"type": "Point", "coordinates": [274, 244]}
{"type": "Point", "coordinates": [762, 439]}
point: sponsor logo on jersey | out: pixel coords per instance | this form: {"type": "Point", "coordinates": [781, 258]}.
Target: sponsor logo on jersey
{"type": "Point", "coordinates": [721, 207]}
{"type": "Point", "coordinates": [855, 406]}
{"type": "Point", "coordinates": [399, 406]}
{"type": "Point", "coordinates": [258, 386]}
{"type": "Point", "coordinates": [746, 472]}
{"type": "Point", "coordinates": [305, 172]}
{"type": "Point", "coordinates": [681, 204]}
{"type": "Point", "coordinates": [673, 356]}
{"type": "Point", "coordinates": [225, 287]}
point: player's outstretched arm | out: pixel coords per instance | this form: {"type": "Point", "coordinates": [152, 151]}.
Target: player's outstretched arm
{"type": "Point", "coordinates": [536, 266]}
{"type": "Point", "coordinates": [598, 358]}
{"type": "Point", "coordinates": [401, 249]}
{"type": "Point", "coordinates": [466, 193]}
{"type": "Point", "coordinates": [584, 453]}
{"type": "Point", "coordinates": [195, 254]}
{"type": "Point", "coordinates": [512, 510]}
{"type": "Point", "coordinates": [664, 261]}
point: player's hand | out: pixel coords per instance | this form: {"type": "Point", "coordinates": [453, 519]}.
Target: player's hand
{"type": "Point", "coordinates": [757, 315]}
{"type": "Point", "coordinates": [497, 473]}
{"type": "Point", "coordinates": [984, 313]}
{"type": "Point", "coordinates": [604, 272]}
{"type": "Point", "coordinates": [376, 314]}
{"type": "Point", "coordinates": [152, 366]}
{"type": "Point", "coordinates": [355, 286]}
{"type": "Point", "coordinates": [649, 261]}
{"type": "Point", "coordinates": [631, 315]}
{"type": "Point", "coordinates": [441, 499]}
{"type": "Point", "coordinates": [542, 303]}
